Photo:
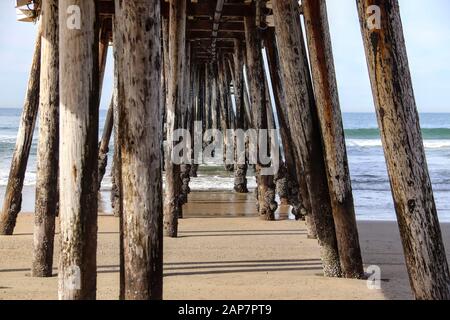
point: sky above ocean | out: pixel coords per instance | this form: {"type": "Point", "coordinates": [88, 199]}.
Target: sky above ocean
{"type": "Point", "coordinates": [427, 33]}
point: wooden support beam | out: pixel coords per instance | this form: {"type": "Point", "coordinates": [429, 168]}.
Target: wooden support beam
{"type": "Point", "coordinates": [298, 196]}
{"type": "Point", "coordinates": [79, 96]}
{"type": "Point", "coordinates": [202, 97]}
{"type": "Point", "coordinates": [220, 35]}
{"type": "Point", "coordinates": [140, 138]}
{"type": "Point", "coordinates": [104, 143]}
{"type": "Point", "coordinates": [206, 25]}
{"type": "Point", "coordinates": [223, 109]}
{"type": "Point", "coordinates": [305, 127]}
{"type": "Point", "coordinates": [105, 35]}
{"type": "Point", "coordinates": [116, 170]}
{"type": "Point", "coordinates": [240, 173]}
{"type": "Point", "coordinates": [295, 199]}
{"type": "Point", "coordinates": [215, 27]}
{"type": "Point", "coordinates": [330, 117]}
{"type": "Point", "coordinates": [404, 151]}
{"type": "Point", "coordinates": [104, 38]}
{"type": "Point", "coordinates": [207, 9]}
{"type": "Point", "coordinates": [202, 51]}
{"type": "Point", "coordinates": [228, 82]}
{"type": "Point", "coordinates": [204, 43]}
{"type": "Point", "coordinates": [255, 69]}
{"type": "Point", "coordinates": [47, 154]}
{"type": "Point", "coordinates": [215, 98]}
{"type": "Point", "coordinates": [197, 9]}
{"type": "Point", "coordinates": [164, 54]}
{"type": "Point", "coordinates": [13, 196]}
{"type": "Point", "coordinates": [177, 44]}
{"type": "Point", "coordinates": [207, 106]}
{"type": "Point", "coordinates": [185, 168]}
{"type": "Point", "coordinates": [195, 113]}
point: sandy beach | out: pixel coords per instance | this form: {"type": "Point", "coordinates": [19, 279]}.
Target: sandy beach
{"type": "Point", "coordinates": [224, 252]}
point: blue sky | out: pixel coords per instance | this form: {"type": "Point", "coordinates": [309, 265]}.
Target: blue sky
{"type": "Point", "coordinates": [427, 32]}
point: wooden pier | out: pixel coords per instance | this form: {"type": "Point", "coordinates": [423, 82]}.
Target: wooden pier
{"type": "Point", "coordinates": [183, 62]}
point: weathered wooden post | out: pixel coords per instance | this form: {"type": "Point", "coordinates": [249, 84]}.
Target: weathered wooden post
{"type": "Point", "coordinates": [163, 84]}
{"type": "Point", "coordinates": [104, 143]}
{"type": "Point", "coordinates": [240, 173]}
{"type": "Point", "coordinates": [329, 111]}
{"type": "Point", "coordinates": [177, 44]}
{"type": "Point", "coordinates": [304, 126]}
{"type": "Point", "coordinates": [195, 114]}
{"type": "Point", "coordinates": [185, 168]}
{"type": "Point", "coordinates": [47, 155]}
{"type": "Point", "coordinates": [223, 110]}
{"type": "Point", "coordinates": [140, 136]}
{"type": "Point", "coordinates": [298, 197]}
{"type": "Point", "coordinates": [398, 119]}
{"type": "Point", "coordinates": [215, 98]}
{"type": "Point", "coordinates": [79, 89]}
{"type": "Point", "coordinates": [228, 81]}
{"type": "Point", "coordinates": [105, 35]}
{"type": "Point", "coordinates": [266, 188]}
{"type": "Point", "coordinates": [116, 174]}
{"type": "Point", "coordinates": [13, 195]}
{"type": "Point", "coordinates": [207, 104]}
{"type": "Point", "coordinates": [231, 123]}
{"type": "Point", "coordinates": [117, 190]}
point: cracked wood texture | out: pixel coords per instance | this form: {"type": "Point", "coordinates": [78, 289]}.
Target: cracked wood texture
{"type": "Point", "coordinates": [13, 196]}
{"type": "Point", "coordinates": [175, 61]}
{"type": "Point", "coordinates": [329, 111]}
{"type": "Point", "coordinates": [47, 154]}
{"type": "Point", "coordinates": [404, 151]}
{"type": "Point", "coordinates": [140, 63]}
{"type": "Point", "coordinates": [79, 96]}
{"type": "Point", "coordinates": [305, 128]}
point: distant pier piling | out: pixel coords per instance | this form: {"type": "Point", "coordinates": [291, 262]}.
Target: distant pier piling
{"type": "Point", "coordinates": [13, 196]}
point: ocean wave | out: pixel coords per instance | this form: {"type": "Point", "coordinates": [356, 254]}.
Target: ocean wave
{"type": "Point", "coordinates": [374, 133]}
{"type": "Point", "coordinates": [7, 139]}
{"type": "Point", "coordinates": [370, 143]}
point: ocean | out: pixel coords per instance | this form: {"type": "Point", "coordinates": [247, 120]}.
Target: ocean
{"type": "Point", "coordinates": [371, 189]}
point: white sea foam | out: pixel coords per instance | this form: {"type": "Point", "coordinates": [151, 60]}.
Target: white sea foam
{"type": "Point", "coordinates": [7, 138]}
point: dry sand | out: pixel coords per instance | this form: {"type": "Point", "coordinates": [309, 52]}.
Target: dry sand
{"type": "Point", "coordinates": [224, 252]}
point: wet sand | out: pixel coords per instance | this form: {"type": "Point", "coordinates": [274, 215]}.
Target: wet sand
{"type": "Point", "coordinates": [224, 252]}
